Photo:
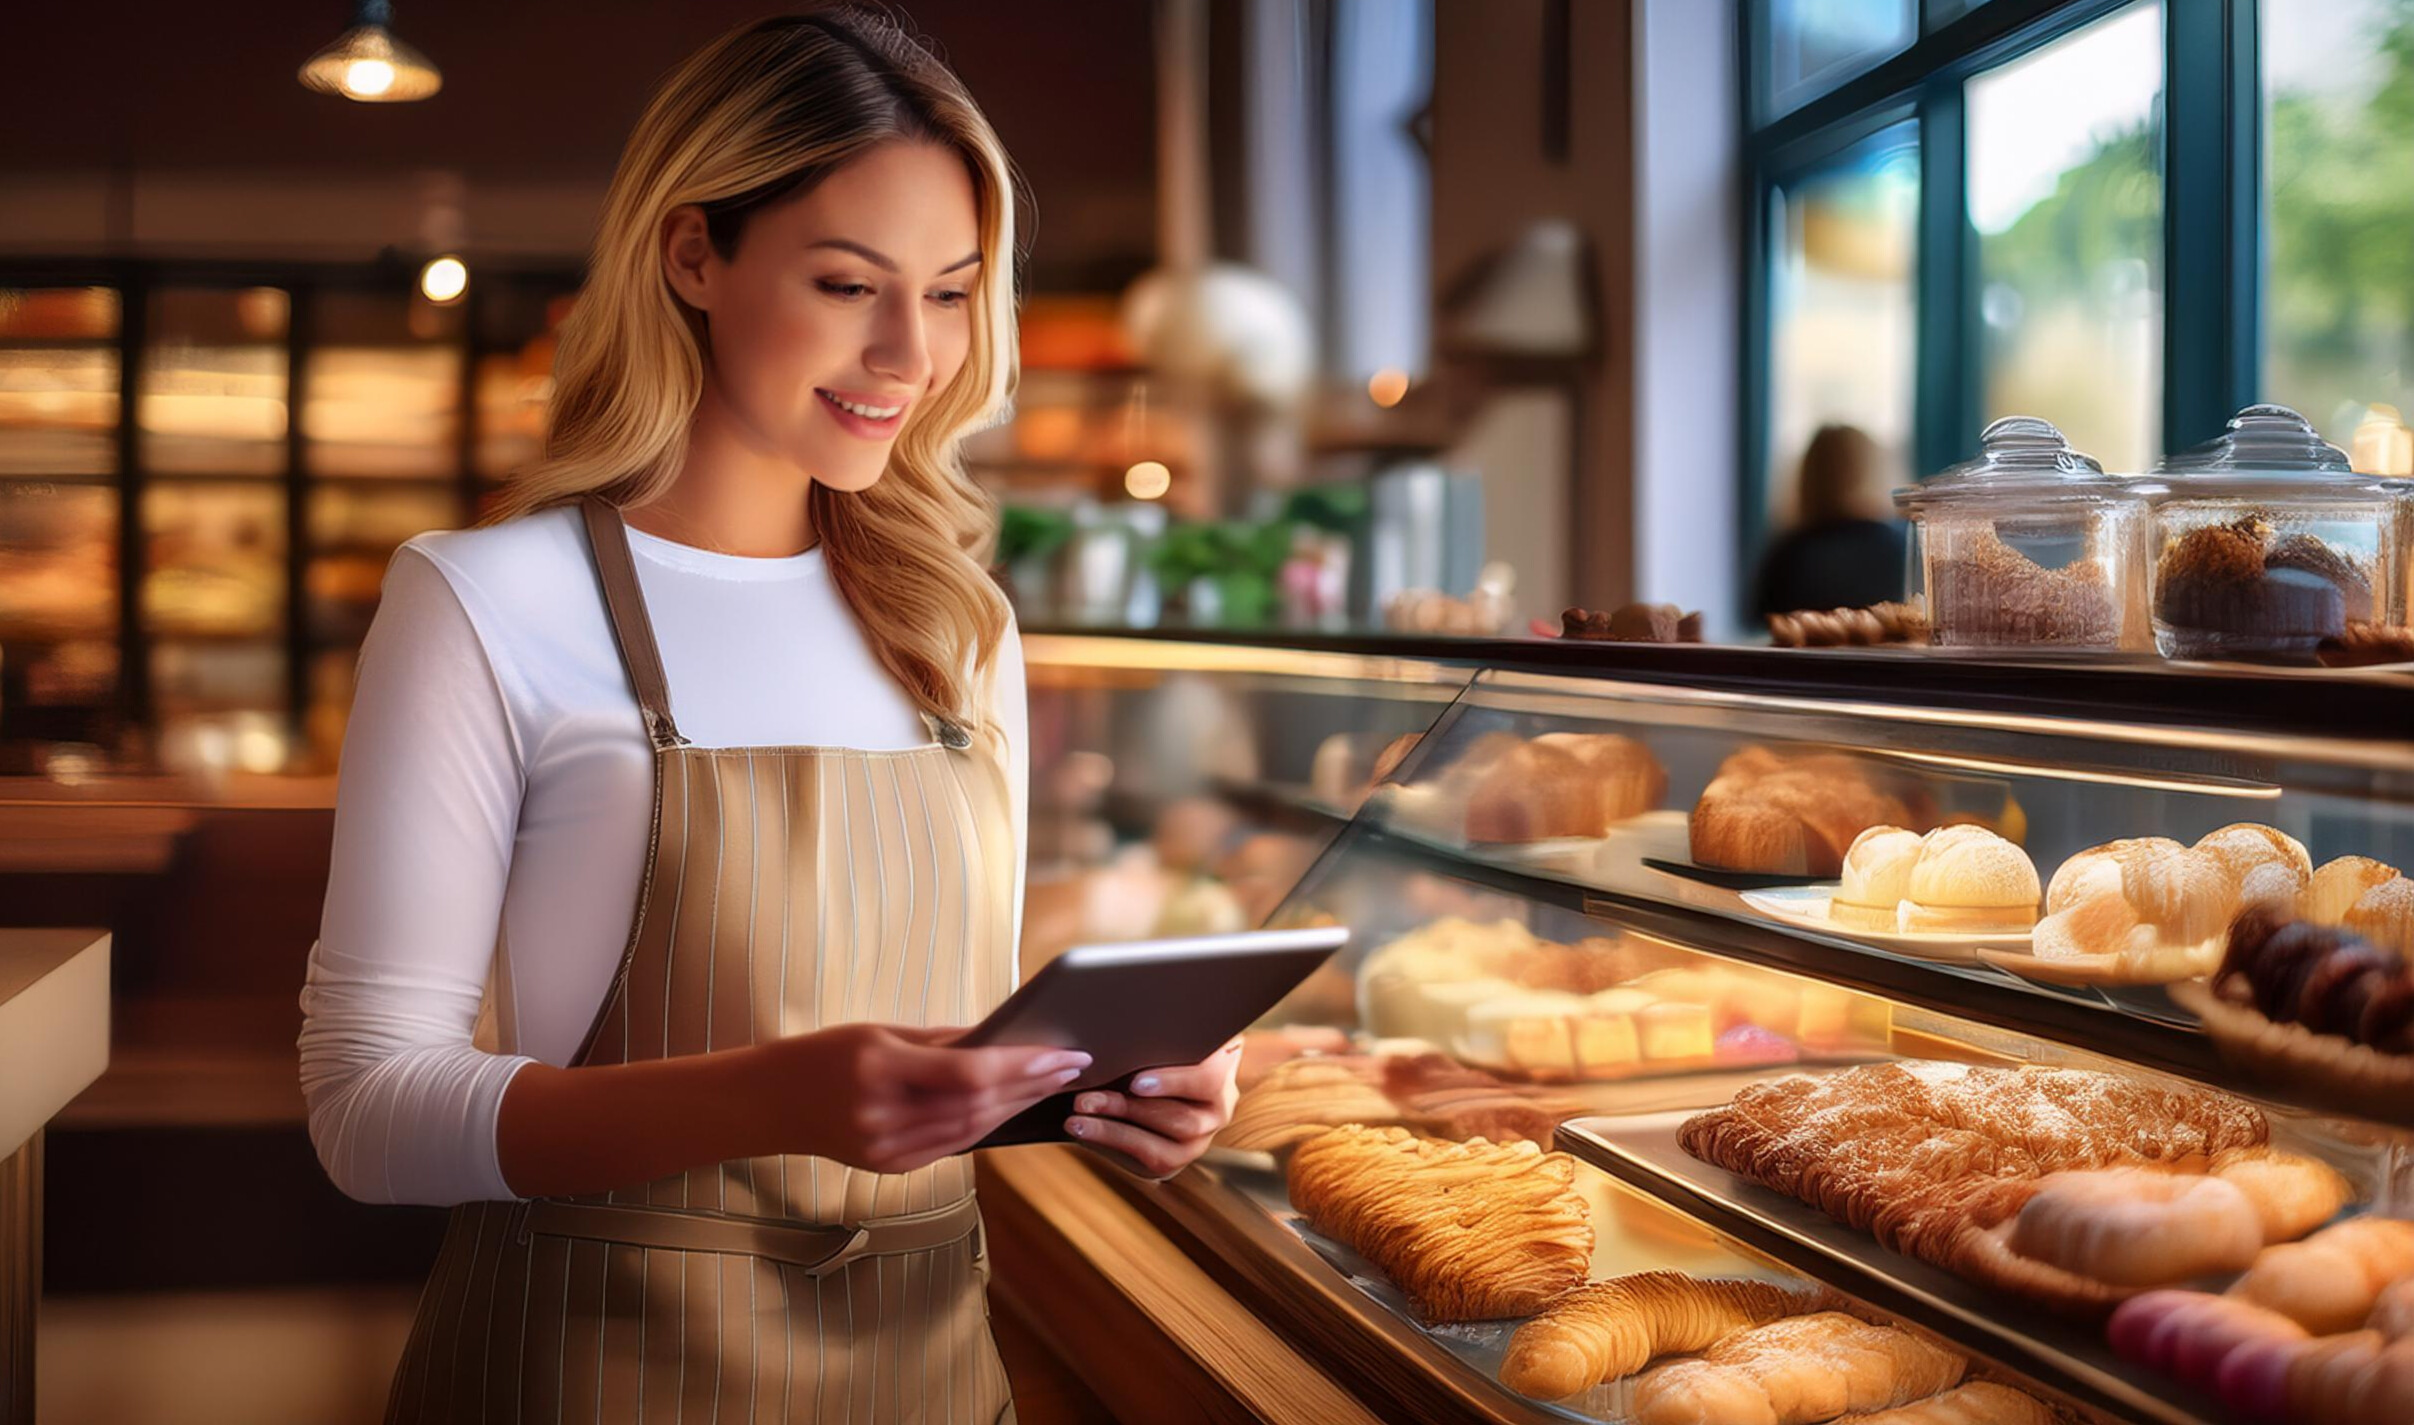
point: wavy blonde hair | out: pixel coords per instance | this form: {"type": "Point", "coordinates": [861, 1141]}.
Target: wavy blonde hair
{"type": "Point", "coordinates": [755, 118]}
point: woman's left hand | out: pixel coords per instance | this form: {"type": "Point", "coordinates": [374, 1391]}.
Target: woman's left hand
{"type": "Point", "coordinates": [1169, 1116]}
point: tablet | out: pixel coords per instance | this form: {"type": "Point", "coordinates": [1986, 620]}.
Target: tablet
{"type": "Point", "coordinates": [1146, 1005]}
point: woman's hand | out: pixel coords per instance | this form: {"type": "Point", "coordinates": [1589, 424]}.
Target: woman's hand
{"type": "Point", "coordinates": [889, 1099]}
{"type": "Point", "coordinates": [1167, 1119]}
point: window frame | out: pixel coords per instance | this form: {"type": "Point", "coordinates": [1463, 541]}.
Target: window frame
{"type": "Point", "coordinates": [2212, 205]}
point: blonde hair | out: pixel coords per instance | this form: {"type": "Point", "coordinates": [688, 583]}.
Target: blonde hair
{"type": "Point", "coordinates": [755, 118]}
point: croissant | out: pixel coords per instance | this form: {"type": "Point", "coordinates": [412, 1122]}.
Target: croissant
{"type": "Point", "coordinates": [1797, 1371]}
{"type": "Point", "coordinates": [1604, 1330]}
{"type": "Point", "coordinates": [1469, 1231]}
{"type": "Point", "coordinates": [1977, 1402]}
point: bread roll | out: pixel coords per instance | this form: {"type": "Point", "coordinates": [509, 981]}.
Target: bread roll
{"type": "Point", "coordinates": [2384, 915]}
{"type": "Point", "coordinates": [1968, 879]}
{"type": "Point", "coordinates": [2146, 909]}
{"type": "Point", "coordinates": [2330, 1281]}
{"type": "Point", "coordinates": [1977, 1402]}
{"type": "Point", "coordinates": [1796, 1371]}
{"type": "Point", "coordinates": [2338, 884]}
{"type": "Point", "coordinates": [1876, 876]}
{"type": "Point", "coordinates": [2264, 862]}
{"type": "Point", "coordinates": [1797, 814]}
{"type": "Point", "coordinates": [1563, 784]}
{"type": "Point", "coordinates": [2097, 870]}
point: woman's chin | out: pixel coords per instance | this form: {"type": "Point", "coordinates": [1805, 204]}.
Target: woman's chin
{"type": "Point", "coordinates": [849, 478]}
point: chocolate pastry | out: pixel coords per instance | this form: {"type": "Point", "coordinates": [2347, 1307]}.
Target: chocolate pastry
{"type": "Point", "coordinates": [2364, 642]}
{"type": "Point", "coordinates": [1633, 623]}
{"type": "Point", "coordinates": [2324, 977]}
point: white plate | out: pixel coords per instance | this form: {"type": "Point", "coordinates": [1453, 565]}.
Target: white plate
{"type": "Point", "coordinates": [1806, 906]}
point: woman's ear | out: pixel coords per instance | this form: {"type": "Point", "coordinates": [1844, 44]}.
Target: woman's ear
{"type": "Point", "coordinates": [688, 259]}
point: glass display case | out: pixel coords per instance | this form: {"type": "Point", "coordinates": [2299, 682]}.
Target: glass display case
{"type": "Point", "coordinates": [2023, 1029]}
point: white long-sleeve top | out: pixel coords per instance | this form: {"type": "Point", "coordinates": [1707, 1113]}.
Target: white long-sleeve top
{"type": "Point", "coordinates": [493, 807]}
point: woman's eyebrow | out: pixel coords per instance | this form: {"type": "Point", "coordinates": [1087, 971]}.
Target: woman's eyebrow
{"type": "Point", "coordinates": [881, 260]}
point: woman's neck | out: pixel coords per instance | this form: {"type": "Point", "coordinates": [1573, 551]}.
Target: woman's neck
{"type": "Point", "coordinates": [733, 494]}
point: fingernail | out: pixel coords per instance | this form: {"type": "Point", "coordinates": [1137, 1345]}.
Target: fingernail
{"type": "Point", "coordinates": [1090, 1103]}
{"type": "Point", "coordinates": [1065, 1059]}
{"type": "Point", "coordinates": [1068, 1075]}
{"type": "Point", "coordinates": [1077, 1128]}
{"type": "Point", "coordinates": [1146, 1083]}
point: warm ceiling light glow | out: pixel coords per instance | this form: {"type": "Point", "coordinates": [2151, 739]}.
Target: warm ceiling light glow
{"type": "Point", "coordinates": [367, 63]}
{"type": "Point", "coordinates": [1147, 480]}
{"type": "Point", "coordinates": [444, 279]}
{"type": "Point", "coordinates": [1387, 387]}
{"type": "Point", "coordinates": [368, 78]}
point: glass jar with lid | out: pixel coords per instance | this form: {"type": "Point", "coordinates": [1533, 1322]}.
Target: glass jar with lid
{"type": "Point", "coordinates": [2267, 542]}
{"type": "Point", "coordinates": [2030, 544]}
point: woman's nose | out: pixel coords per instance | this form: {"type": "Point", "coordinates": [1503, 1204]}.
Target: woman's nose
{"type": "Point", "coordinates": [900, 349]}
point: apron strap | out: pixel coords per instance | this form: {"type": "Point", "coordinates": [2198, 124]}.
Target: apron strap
{"type": "Point", "coordinates": [624, 601]}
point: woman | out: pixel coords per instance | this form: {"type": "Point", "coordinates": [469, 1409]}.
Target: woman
{"type": "Point", "coordinates": [680, 806]}
{"type": "Point", "coordinates": [1846, 549]}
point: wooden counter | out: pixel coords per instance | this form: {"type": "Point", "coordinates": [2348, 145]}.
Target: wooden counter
{"type": "Point", "coordinates": [54, 1041]}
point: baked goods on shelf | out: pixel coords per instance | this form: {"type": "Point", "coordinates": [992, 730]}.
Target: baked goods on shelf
{"type": "Point", "coordinates": [1602, 1008]}
{"type": "Point", "coordinates": [2222, 587]}
{"type": "Point", "coordinates": [2364, 643]}
{"type": "Point", "coordinates": [1607, 1329]}
{"type": "Point", "coordinates": [1875, 877]}
{"type": "Point", "coordinates": [1468, 1231]}
{"type": "Point", "coordinates": [1797, 813]}
{"type": "Point", "coordinates": [2137, 1227]}
{"type": "Point", "coordinates": [1299, 1098]}
{"type": "Point", "coordinates": [1563, 784]}
{"type": "Point", "coordinates": [2265, 1366]}
{"type": "Point", "coordinates": [2313, 1005]}
{"type": "Point", "coordinates": [1937, 1160]}
{"type": "Point", "coordinates": [1797, 1371]}
{"type": "Point", "coordinates": [1633, 623]}
{"type": "Point", "coordinates": [1830, 628]}
{"type": "Point", "coordinates": [2333, 1280]}
{"type": "Point", "coordinates": [1988, 594]}
{"type": "Point", "coordinates": [2147, 910]}
{"type": "Point", "coordinates": [1974, 1402]}
{"type": "Point", "coordinates": [1965, 880]}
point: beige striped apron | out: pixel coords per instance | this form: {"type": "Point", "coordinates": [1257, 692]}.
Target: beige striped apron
{"type": "Point", "coordinates": [787, 888]}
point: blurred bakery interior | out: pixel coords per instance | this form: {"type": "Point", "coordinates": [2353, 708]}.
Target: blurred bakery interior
{"type": "Point", "coordinates": [1825, 584]}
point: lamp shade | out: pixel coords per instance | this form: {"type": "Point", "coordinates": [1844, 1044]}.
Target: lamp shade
{"type": "Point", "coordinates": [368, 64]}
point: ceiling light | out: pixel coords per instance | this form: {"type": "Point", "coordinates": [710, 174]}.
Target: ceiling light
{"type": "Point", "coordinates": [367, 63]}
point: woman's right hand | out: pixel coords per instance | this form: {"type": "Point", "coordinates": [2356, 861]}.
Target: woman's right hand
{"type": "Point", "coordinates": [887, 1098]}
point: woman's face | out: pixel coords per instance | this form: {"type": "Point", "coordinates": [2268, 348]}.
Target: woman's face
{"type": "Point", "coordinates": [843, 309]}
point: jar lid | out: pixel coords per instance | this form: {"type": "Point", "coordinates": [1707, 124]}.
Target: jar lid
{"type": "Point", "coordinates": [2023, 459]}
{"type": "Point", "coordinates": [2269, 452]}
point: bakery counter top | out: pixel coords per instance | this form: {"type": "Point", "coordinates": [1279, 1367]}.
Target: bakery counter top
{"type": "Point", "coordinates": [54, 1041]}
{"type": "Point", "coordinates": [54, 1025]}
{"type": "Point", "coordinates": [2367, 704]}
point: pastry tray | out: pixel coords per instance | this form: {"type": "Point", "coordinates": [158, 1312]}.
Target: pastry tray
{"type": "Point", "coordinates": [1479, 1346]}
{"type": "Point", "coordinates": [1641, 1149]}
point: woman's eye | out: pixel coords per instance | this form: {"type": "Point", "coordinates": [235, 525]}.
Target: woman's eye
{"type": "Point", "coordinates": [951, 298]}
{"type": "Point", "coordinates": [847, 291]}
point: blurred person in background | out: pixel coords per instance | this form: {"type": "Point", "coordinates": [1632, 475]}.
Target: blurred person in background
{"type": "Point", "coordinates": [661, 994]}
{"type": "Point", "coordinates": [1845, 550]}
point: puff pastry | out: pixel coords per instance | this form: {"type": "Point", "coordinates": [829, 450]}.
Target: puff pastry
{"type": "Point", "coordinates": [1936, 1160]}
{"type": "Point", "coordinates": [1797, 1371]}
{"type": "Point", "coordinates": [1300, 1098]}
{"type": "Point", "coordinates": [1604, 1330]}
{"type": "Point", "coordinates": [1469, 1231]}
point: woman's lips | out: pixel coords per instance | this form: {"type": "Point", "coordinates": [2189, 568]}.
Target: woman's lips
{"type": "Point", "coordinates": [855, 422]}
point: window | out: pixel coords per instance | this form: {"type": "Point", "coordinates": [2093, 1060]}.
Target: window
{"type": "Point", "coordinates": [1843, 237]}
{"type": "Point", "coordinates": [2129, 217]}
{"type": "Point", "coordinates": [2066, 197]}
{"type": "Point", "coordinates": [2338, 125]}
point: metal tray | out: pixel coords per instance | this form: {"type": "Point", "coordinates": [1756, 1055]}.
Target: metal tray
{"type": "Point", "coordinates": [1641, 1150]}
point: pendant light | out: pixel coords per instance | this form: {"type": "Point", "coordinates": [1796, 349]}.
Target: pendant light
{"type": "Point", "coordinates": [367, 63]}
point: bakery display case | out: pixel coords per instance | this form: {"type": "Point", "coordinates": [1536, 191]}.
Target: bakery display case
{"type": "Point", "coordinates": [1797, 1035]}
